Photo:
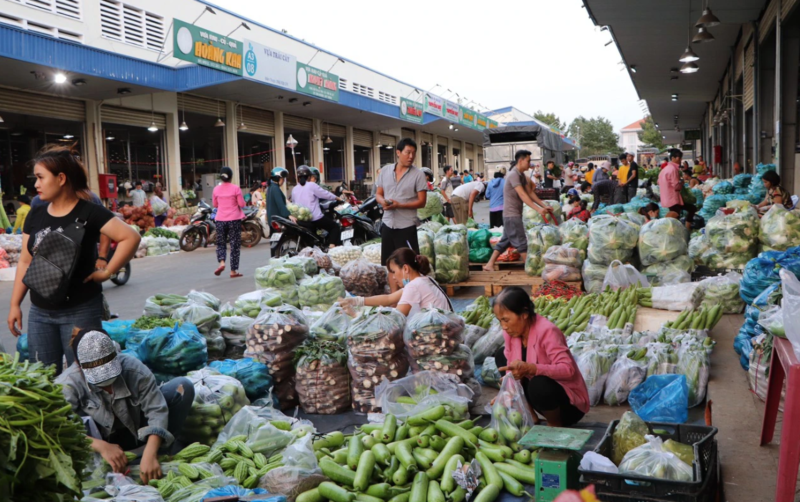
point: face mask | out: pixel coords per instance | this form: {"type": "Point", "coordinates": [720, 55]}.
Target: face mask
{"type": "Point", "coordinates": [405, 280]}
{"type": "Point", "coordinates": [106, 383]}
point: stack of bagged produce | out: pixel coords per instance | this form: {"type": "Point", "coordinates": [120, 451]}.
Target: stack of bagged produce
{"type": "Point", "coordinates": [375, 351]}
{"type": "Point", "coordinates": [757, 191]}
{"type": "Point", "coordinates": [663, 251]}
{"type": "Point", "coordinates": [217, 398]}
{"type": "Point", "coordinates": [451, 248]}
{"type": "Point", "coordinates": [780, 229]}
{"type": "Point", "coordinates": [207, 321]}
{"type": "Point", "coordinates": [362, 278]}
{"type": "Point", "coordinates": [342, 255]}
{"type": "Point", "coordinates": [320, 292]}
{"type": "Point", "coordinates": [435, 342]}
{"type": "Point", "coordinates": [610, 238]}
{"type": "Point", "coordinates": [562, 263]}
{"type": "Point", "coordinates": [733, 238]}
{"type": "Point", "coordinates": [480, 250]}
{"type": "Point", "coordinates": [575, 233]}
{"type": "Point", "coordinates": [171, 352]}
{"type": "Point", "coordinates": [323, 381]}
{"type": "Point", "coordinates": [540, 239]}
{"type": "Point", "coordinates": [425, 237]}
{"type": "Point", "coordinates": [531, 217]}
{"type": "Point", "coordinates": [322, 259]}
{"type": "Point", "coordinates": [272, 339]}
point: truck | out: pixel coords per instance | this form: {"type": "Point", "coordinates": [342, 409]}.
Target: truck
{"type": "Point", "coordinates": [500, 145]}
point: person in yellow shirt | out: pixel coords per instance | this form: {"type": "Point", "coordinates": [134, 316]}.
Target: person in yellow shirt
{"type": "Point", "coordinates": [22, 212]}
{"type": "Point", "coordinates": [590, 173]}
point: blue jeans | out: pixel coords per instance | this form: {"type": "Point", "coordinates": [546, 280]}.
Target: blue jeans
{"type": "Point", "coordinates": [50, 331]}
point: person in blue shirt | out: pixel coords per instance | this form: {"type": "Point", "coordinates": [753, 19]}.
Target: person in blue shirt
{"type": "Point", "coordinates": [494, 192]}
{"type": "Point", "coordinates": [467, 177]}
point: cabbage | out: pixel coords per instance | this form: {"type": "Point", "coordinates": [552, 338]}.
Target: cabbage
{"type": "Point", "coordinates": [433, 205]}
{"type": "Point", "coordinates": [531, 217]}
{"type": "Point", "coordinates": [697, 248]}
{"type": "Point", "coordinates": [714, 259]}
{"type": "Point", "coordinates": [575, 233]}
{"type": "Point", "coordinates": [452, 254]}
{"type": "Point", "coordinates": [300, 212]}
{"type": "Point", "coordinates": [734, 233]}
{"type": "Point", "coordinates": [593, 276]}
{"type": "Point", "coordinates": [670, 272]}
{"type": "Point", "coordinates": [780, 229]}
{"type": "Point", "coordinates": [425, 239]}
{"type": "Point", "coordinates": [611, 238]}
{"type": "Point", "coordinates": [633, 218]}
{"type": "Point", "coordinates": [662, 240]}
{"type": "Point", "coordinates": [738, 204]}
{"type": "Point", "coordinates": [604, 257]}
{"type": "Point", "coordinates": [540, 239]}
{"type": "Point", "coordinates": [433, 226]}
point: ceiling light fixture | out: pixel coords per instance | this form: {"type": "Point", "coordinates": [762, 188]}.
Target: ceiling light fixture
{"type": "Point", "coordinates": [219, 122]}
{"type": "Point", "coordinates": [59, 78]}
{"type": "Point", "coordinates": [153, 127]}
{"type": "Point", "coordinates": [451, 127]}
{"type": "Point", "coordinates": [708, 19]}
{"type": "Point", "coordinates": [68, 136]}
{"type": "Point", "coordinates": [633, 68]}
{"type": "Point", "coordinates": [702, 37]}
{"type": "Point", "coordinates": [241, 127]}
{"type": "Point", "coordinates": [109, 138]}
{"type": "Point", "coordinates": [183, 126]}
{"type": "Point", "coordinates": [688, 56]}
{"type": "Point", "coordinates": [656, 125]}
{"type": "Point", "coordinates": [124, 90]}
{"type": "Point", "coordinates": [689, 68]}
{"type": "Point", "coordinates": [328, 140]}
{"type": "Point", "coordinates": [78, 82]}
{"type": "Point", "coordinates": [674, 97]}
{"type": "Point", "coordinates": [1, 120]}
{"type": "Point", "coordinates": [456, 129]}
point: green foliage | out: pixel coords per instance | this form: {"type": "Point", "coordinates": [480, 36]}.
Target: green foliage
{"type": "Point", "coordinates": [596, 136]}
{"type": "Point", "coordinates": [651, 136]}
{"type": "Point", "coordinates": [550, 119]}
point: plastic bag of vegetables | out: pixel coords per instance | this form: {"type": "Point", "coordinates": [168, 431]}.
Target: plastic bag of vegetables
{"type": "Point", "coordinates": [162, 305]}
{"type": "Point", "coordinates": [262, 272]}
{"type": "Point", "coordinates": [634, 218]}
{"type": "Point", "coordinates": [322, 259]}
{"type": "Point", "coordinates": [698, 246]}
{"type": "Point", "coordinates": [780, 229]}
{"type": "Point", "coordinates": [650, 460]}
{"type": "Point", "coordinates": [362, 278]}
{"type": "Point", "coordinates": [203, 298]}
{"type": "Point", "coordinates": [257, 424]}
{"type": "Point", "coordinates": [594, 365]}
{"type": "Point", "coordinates": [275, 276]}
{"type": "Point", "coordinates": [302, 213]}
{"type": "Point", "coordinates": [723, 187]}
{"type": "Point", "coordinates": [694, 364]}
{"type": "Point", "coordinates": [425, 238]}
{"type": "Point", "coordinates": [434, 204]}
{"type": "Point", "coordinates": [563, 273]}
{"type": "Point", "coordinates": [175, 351]}
{"type": "Point", "coordinates": [593, 275]}
{"type": "Point", "coordinates": [676, 271]}
{"type": "Point", "coordinates": [627, 372]}
{"type": "Point", "coordinates": [564, 255]}
{"type": "Point", "coordinates": [372, 253]}
{"type": "Point", "coordinates": [575, 233]}
{"type": "Point", "coordinates": [540, 239]}
{"type": "Point", "coordinates": [452, 254]}
{"type": "Point", "coordinates": [432, 226]}
{"type": "Point", "coordinates": [320, 291]}
{"type": "Point", "coordinates": [611, 238]}
{"type": "Point", "coordinates": [628, 434]}
{"type": "Point", "coordinates": [342, 255]}
{"type": "Point", "coordinates": [234, 331]}
{"type": "Point", "coordinates": [272, 340]}
{"type": "Point", "coordinates": [724, 291]}
{"type": "Point", "coordinates": [207, 321]}
{"type": "Point", "coordinates": [433, 332]}
{"type": "Point", "coordinates": [511, 417]}
{"type": "Point", "coordinates": [323, 382]}
{"type": "Point", "coordinates": [661, 398]}
{"type": "Point", "coordinates": [734, 233]}
{"type": "Point", "coordinates": [217, 398]}
{"type": "Point", "coordinates": [253, 375]}
{"type": "Point", "coordinates": [459, 362]}
{"type": "Point", "coordinates": [117, 329]}
{"type": "Point", "coordinates": [479, 248]}
{"type": "Point", "coordinates": [332, 326]}
{"type": "Point", "coordinates": [422, 391]}
{"type": "Point", "coordinates": [488, 344]}
{"type": "Point", "coordinates": [490, 374]}
{"type": "Point", "coordinates": [661, 240]}
{"type": "Point", "coordinates": [307, 264]}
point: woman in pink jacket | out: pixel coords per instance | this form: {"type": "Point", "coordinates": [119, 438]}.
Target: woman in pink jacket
{"type": "Point", "coordinates": [536, 353]}
{"type": "Point", "coordinates": [229, 201]}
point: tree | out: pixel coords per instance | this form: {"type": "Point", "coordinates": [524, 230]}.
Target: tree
{"type": "Point", "coordinates": [550, 119]}
{"type": "Point", "coordinates": [596, 136]}
{"type": "Point", "coordinates": [651, 136]}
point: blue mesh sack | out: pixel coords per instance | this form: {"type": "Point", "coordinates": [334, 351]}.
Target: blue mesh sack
{"type": "Point", "coordinates": [118, 330]}
{"type": "Point", "coordinates": [723, 188]}
{"type": "Point", "coordinates": [758, 275]}
{"type": "Point", "coordinates": [22, 347]}
{"type": "Point", "coordinates": [661, 398]}
{"type": "Point", "coordinates": [253, 375]}
{"type": "Point", "coordinates": [742, 181]}
{"type": "Point", "coordinates": [238, 491]}
{"type": "Point", "coordinates": [174, 351]}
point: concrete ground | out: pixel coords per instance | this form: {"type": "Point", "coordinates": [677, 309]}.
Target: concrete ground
{"type": "Point", "coordinates": [748, 470]}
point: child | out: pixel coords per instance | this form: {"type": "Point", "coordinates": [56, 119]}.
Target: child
{"type": "Point", "coordinates": [579, 210]}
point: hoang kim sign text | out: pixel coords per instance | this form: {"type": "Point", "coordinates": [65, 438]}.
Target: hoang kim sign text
{"type": "Point", "coordinates": [203, 47]}
{"type": "Point", "coordinates": [317, 83]}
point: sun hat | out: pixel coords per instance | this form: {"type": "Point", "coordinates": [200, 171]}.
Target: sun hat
{"type": "Point", "coordinates": [98, 357]}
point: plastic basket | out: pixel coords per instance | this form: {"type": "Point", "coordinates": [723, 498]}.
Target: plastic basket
{"type": "Point", "coordinates": [547, 193]}
{"type": "Point", "coordinates": [632, 488]}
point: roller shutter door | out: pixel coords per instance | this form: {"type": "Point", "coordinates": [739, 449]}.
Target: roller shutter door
{"type": "Point", "coordinates": [334, 130]}
{"type": "Point", "coordinates": [126, 116]}
{"type": "Point", "coordinates": [768, 20]}
{"type": "Point", "coordinates": [426, 136]}
{"type": "Point", "coordinates": [470, 149]}
{"type": "Point", "coordinates": [197, 104]}
{"type": "Point", "coordinates": [297, 123]}
{"type": "Point", "coordinates": [388, 140]}
{"type": "Point", "coordinates": [408, 133]}
{"type": "Point", "coordinates": [748, 76]}
{"type": "Point", "coordinates": [28, 103]}
{"type": "Point", "coordinates": [737, 59]}
{"type": "Point", "coordinates": [362, 138]}
{"type": "Point", "coordinates": [442, 141]}
{"type": "Point", "coordinates": [258, 121]}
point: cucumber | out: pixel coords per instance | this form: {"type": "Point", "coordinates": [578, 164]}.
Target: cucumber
{"type": "Point", "coordinates": [451, 449]}
{"type": "Point", "coordinates": [426, 417]}
{"type": "Point", "coordinates": [402, 497]}
{"type": "Point", "coordinates": [400, 476]}
{"type": "Point", "coordinates": [363, 497]}
{"type": "Point", "coordinates": [380, 490]}
{"type": "Point", "coordinates": [402, 432]}
{"type": "Point", "coordinates": [403, 453]}
{"type": "Point", "coordinates": [335, 493]}
{"type": "Point", "coordinates": [448, 483]}
{"type": "Point", "coordinates": [435, 492]}
{"type": "Point", "coordinates": [336, 472]}
{"type": "Point", "coordinates": [452, 429]}
{"type": "Point", "coordinates": [422, 460]}
{"type": "Point", "coordinates": [364, 471]}
{"type": "Point", "coordinates": [389, 429]}
{"type": "Point", "coordinates": [523, 457]}
{"type": "Point", "coordinates": [489, 471]}
{"type": "Point", "coordinates": [354, 452]}
{"type": "Point", "coordinates": [458, 495]}
{"type": "Point", "coordinates": [382, 454]}
{"type": "Point", "coordinates": [437, 443]}
{"type": "Point", "coordinates": [527, 475]}
{"type": "Point", "coordinates": [310, 496]}
{"type": "Point", "coordinates": [488, 494]}
{"type": "Point", "coordinates": [419, 490]}
{"type": "Point", "coordinates": [489, 435]}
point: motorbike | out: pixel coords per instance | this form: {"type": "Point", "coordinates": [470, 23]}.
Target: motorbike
{"type": "Point", "coordinates": [202, 229]}
{"type": "Point", "coordinates": [374, 212]}
{"type": "Point", "coordinates": [124, 274]}
{"type": "Point", "coordinates": [288, 237]}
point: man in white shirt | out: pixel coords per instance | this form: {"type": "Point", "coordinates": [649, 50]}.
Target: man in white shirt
{"type": "Point", "coordinates": [138, 195]}
{"type": "Point", "coordinates": [569, 182]}
{"type": "Point", "coordinates": [463, 198]}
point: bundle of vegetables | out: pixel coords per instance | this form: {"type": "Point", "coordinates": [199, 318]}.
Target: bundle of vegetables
{"type": "Point", "coordinates": [163, 305]}
{"type": "Point", "coordinates": [342, 255]}
{"type": "Point", "coordinates": [780, 229]}
{"type": "Point", "coordinates": [694, 362]}
{"type": "Point", "coordinates": [161, 232]}
{"type": "Point", "coordinates": [593, 276]}
{"type": "Point", "coordinates": [540, 239]}
{"type": "Point", "coordinates": [702, 319]}
{"type": "Point", "coordinates": [43, 443]}
{"type": "Point", "coordinates": [321, 258]}
{"type": "Point", "coordinates": [375, 351]}
{"type": "Point", "coordinates": [611, 238]}
{"type": "Point", "coordinates": [573, 315]}
{"type": "Point", "coordinates": [434, 204]}
{"type": "Point", "coordinates": [425, 237]}
{"type": "Point", "coordinates": [479, 313]}
{"type": "Point", "coordinates": [561, 273]}
{"type": "Point", "coordinates": [511, 417]}
{"type": "Point", "coordinates": [723, 291]}
{"type": "Point", "coordinates": [628, 371]}
{"type": "Point", "coordinates": [459, 362]}
{"type": "Point", "coordinates": [302, 213]}
{"type": "Point", "coordinates": [323, 382]}
{"type": "Point", "coordinates": [321, 291]}
{"type": "Point", "coordinates": [564, 255]}
{"type": "Point", "coordinates": [661, 240]}
{"type": "Point", "coordinates": [556, 289]}
{"type": "Point", "coordinates": [174, 351]}
{"type": "Point", "coordinates": [595, 364]}
{"type": "Point", "coordinates": [479, 248]}
{"type": "Point", "coordinates": [652, 460]}
{"type": "Point", "coordinates": [452, 254]}
{"type": "Point", "coordinates": [253, 375]}
{"type": "Point", "coordinates": [670, 272]}
{"type": "Point", "coordinates": [217, 398]}
{"type": "Point", "coordinates": [698, 246]}
{"type": "Point", "coordinates": [433, 226]}
{"type": "Point", "coordinates": [372, 253]}
{"type": "Point", "coordinates": [272, 340]}
{"type": "Point", "coordinates": [405, 458]}
{"type": "Point", "coordinates": [207, 322]}
{"type": "Point", "coordinates": [628, 434]}
{"type": "Point", "coordinates": [203, 298]}
{"type": "Point", "coordinates": [531, 217]}
{"type": "Point", "coordinates": [433, 332]}
{"type": "Point", "coordinates": [274, 276]}
{"type": "Point", "coordinates": [575, 233]}
{"type": "Point", "coordinates": [250, 304]}
{"type": "Point", "coordinates": [332, 326]}
{"type": "Point", "coordinates": [421, 391]}
{"type": "Point", "coordinates": [362, 278]}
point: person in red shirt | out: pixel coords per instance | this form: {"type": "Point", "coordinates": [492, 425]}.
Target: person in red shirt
{"type": "Point", "coordinates": [578, 210]}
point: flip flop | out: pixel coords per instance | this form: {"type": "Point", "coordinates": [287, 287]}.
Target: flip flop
{"type": "Point", "coordinates": [236, 274]}
{"type": "Point", "coordinates": [219, 270]}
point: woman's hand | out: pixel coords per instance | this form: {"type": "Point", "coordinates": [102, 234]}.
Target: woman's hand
{"type": "Point", "coordinates": [149, 468]}
{"type": "Point", "coordinates": [98, 276]}
{"type": "Point", "coordinates": [15, 320]}
{"type": "Point", "coordinates": [520, 369]}
{"type": "Point", "coordinates": [112, 454]}
{"type": "Point", "coordinates": [294, 219]}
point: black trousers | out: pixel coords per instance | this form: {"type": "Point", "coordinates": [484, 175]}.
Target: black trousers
{"type": "Point", "coordinates": [496, 219]}
{"type": "Point", "coordinates": [331, 226]}
{"type": "Point", "coordinates": [545, 394]}
{"type": "Point", "coordinates": [396, 238]}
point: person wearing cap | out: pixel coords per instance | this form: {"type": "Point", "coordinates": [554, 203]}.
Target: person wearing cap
{"type": "Point", "coordinates": [229, 201]}
{"type": "Point", "coordinates": [275, 198]}
{"type": "Point", "coordinates": [602, 173]}
{"type": "Point", "coordinates": [121, 403]}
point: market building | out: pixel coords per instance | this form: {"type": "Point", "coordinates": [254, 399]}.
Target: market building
{"type": "Point", "coordinates": [172, 91]}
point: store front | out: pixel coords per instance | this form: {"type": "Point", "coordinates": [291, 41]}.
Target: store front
{"type": "Point", "coordinates": [333, 158]}
{"type": "Point", "coordinates": [387, 145]}
{"type": "Point", "coordinates": [426, 151]}
{"type": "Point", "coordinates": [441, 154]}
{"type": "Point", "coordinates": [300, 129]}
{"type": "Point", "coordinates": [256, 143]}
{"type": "Point", "coordinates": [457, 156]}
{"type": "Point", "coordinates": [203, 143]}
{"type": "Point", "coordinates": [362, 155]}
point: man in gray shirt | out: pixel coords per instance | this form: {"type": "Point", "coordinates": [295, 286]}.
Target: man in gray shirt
{"type": "Point", "coordinates": [402, 189]}
{"type": "Point", "coordinates": [518, 190]}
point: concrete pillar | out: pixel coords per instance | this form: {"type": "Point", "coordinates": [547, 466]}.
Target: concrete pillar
{"type": "Point", "coordinates": [280, 142]}
{"type": "Point", "coordinates": [94, 159]}
{"type": "Point", "coordinates": [232, 139]}
{"type": "Point", "coordinates": [788, 103]}
{"type": "Point", "coordinates": [376, 154]}
{"type": "Point", "coordinates": [435, 167]}
{"type": "Point", "coordinates": [316, 147]}
{"type": "Point", "coordinates": [349, 155]}
{"type": "Point", "coordinates": [172, 155]}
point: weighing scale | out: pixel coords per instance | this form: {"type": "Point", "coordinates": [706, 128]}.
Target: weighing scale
{"type": "Point", "coordinates": [557, 460]}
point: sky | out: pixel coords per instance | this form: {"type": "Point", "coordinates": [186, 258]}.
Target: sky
{"type": "Point", "coordinates": [531, 54]}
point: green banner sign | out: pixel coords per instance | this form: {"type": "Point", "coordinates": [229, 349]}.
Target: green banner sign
{"type": "Point", "coordinates": [467, 118]}
{"type": "Point", "coordinates": [203, 47]}
{"type": "Point", "coordinates": [317, 83]}
{"type": "Point", "coordinates": [411, 110]}
{"type": "Point", "coordinates": [481, 122]}
{"type": "Point", "coordinates": [491, 124]}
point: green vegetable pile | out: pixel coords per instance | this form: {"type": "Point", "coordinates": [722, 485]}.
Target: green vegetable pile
{"type": "Point", "coordinates": [163, 305]}
{"type": "Point", "coordinates": [661, 240]}
{"type": "Point", "coordinates": [452, 254]}
{"type": "Point", "coordinates": [698, 247]}
{"type": "Point", "coordinates": [275, 276]}
{"type": "Point", "coordinates": [575, 233]}
{"type": "Point", "coordinates": [531, 217]}
{"type": "Point", "coordinates": [705, 318]}
{"type": "Point", "coordinates": [650, 460]}
{"type": "Point", "coordinates": [161, 232]}
{"type": "Point", "coordinates": [540, 239]}
{"type": "Point", "coordinates": [723, 291]}
{"type": "Point", "coordinates": [734, 234]}
{"type": "Point", "coordinates": [780, 229]}
{"type": "Point", "coordinates": [207, 321]}
{"type": "Point", "coordinates": [626, 373]}
{"type": "Point", "coordinates": [611, 238]}
{"type": "Point", "coordinates": [300, 212]}
{"type": "Point", "coordinates": [174, 351]}
{"type": "Point", "coordinates": [670, 272]}
{"type": "Point", "coordinates": [573, 315]}
{"type": "Point", "coordinates": [321, 291]}
{"type": "Point", "coordinates": [43, 444]}
{"type": "Point", "coordinates": [217, 398]}
{"type": "Point", "coordinates": [414, 462]}
{"type": "Point", "coordinates": [425, 238]}
{"type": "Point", "coordinates": [434, 204]}
{"type": "Point", "coordinates": [332, 326]}
{"type": "Point", "coordinates": [148, 322]}
{"type": "Point", "coordinates": [479, 313]}
{"type": "Point", "coordinates": [695, 363]}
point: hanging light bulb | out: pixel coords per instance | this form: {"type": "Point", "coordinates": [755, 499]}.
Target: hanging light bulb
{"type": "Point", "coordinates": [183, 126]}
{"type": "Point", "coordinates": [328, 140]}
{"type": "Point", "coordinates": [242, 127]}
{"type": "Point", "coordinates": [219, 122]}
{"type": "Point", "coordinates": [688, 56]}
{"type": "Point", "coordinates": [690, 67]}
{"type": "Point", "coordinates": [702, 36]}
{"type": "Point", "coordinates": [707, 20]}
{"type": "Point", "coordinates": [153, 127]}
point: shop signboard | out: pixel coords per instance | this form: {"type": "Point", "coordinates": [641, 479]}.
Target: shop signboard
{"type": "Point", "coordinates": [452, 112]}
{"type": "Point", "coordinates": [481, 122]}
{"type": "Point", "coordinates": [317, 83]}
{"type": "Point", "coordinates": [434, 105]}
{"type": "Point", "coordinates": [467, 118]}
{"type": "Point", "coordinates": [270, 66]}
{"type": "Point", "coordinates": [491, 124]}
{"type": "Point", "coordinates": [411, 111]}
{"type": "Point", "coordinates": [204, 47]}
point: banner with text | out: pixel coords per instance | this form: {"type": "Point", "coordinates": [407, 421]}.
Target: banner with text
{"type": "Point", "coordinates": [317, 83]}
{"type": "Point", "coordinates": [204, 47]}
{"type": "Point", "coordinates": [411, 110]}
{"type": "Point", "coordinates": [270, 66]}
{"type": "Point", "coordinates": [452, 112]}
{"type": "Point", "coordinates": [434, 105]}
{"type": "Point", "coordinates": [467, 118]}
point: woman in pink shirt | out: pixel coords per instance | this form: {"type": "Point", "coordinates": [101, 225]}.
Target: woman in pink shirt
{"type": "Point", "coordinates": [670, 184]}
{"type": "Point", "coordinates": [536, 353]}
{"type": "Point", "coordinates": [229, 201]}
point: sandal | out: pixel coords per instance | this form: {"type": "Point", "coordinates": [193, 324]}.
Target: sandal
{"type": "Point", "coordinates": [236, 274]}
{"type": "Point", "coordinates": [219, 270]}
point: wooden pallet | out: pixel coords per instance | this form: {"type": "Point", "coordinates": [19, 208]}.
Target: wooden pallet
{"type": "Point", "coordinates": [486, 280]}
{"type": "Point", "coordinates": [520, 278]}
{"type": "Point", "coordinates": [499, 265]}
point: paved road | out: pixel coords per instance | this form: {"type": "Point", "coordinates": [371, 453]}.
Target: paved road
{"type": "Point", "coordinates": [178, 273]}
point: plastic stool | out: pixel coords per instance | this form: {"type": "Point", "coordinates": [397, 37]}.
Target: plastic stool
{"type": "Point", "coordinates": [784, 361]}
